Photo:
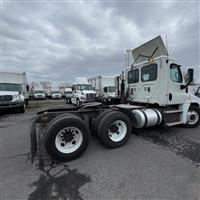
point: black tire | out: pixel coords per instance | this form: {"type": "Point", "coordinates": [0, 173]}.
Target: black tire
{"type": "Point", "coordinates": [56, 126]}
{"type": "Point", "coordinates": [78, 102]}
{"type": "Point", "coordinates": [26, 101]}
{"type": "Point", "coordinates": [97, 120]}
{"type": "Point", "coordinates": [196, 112]}
{"type": "Point", "coordinates": [105, 124]}
{"type": "Point", "coordinates": [22, 108]}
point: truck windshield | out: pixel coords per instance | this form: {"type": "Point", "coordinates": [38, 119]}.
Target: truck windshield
{"type": "Point", "coordinates": [84, 87]}
{"type": "Point", "coordinates": [39, 91]}
{"type": "Point", "coordinates": [55, 92]}
{"type": "Point", "coordinates": [111, 88]}
{"type": "Point", "coordinates": [10, 87]}
{"type": "Point", "coordinates": [68, 92]}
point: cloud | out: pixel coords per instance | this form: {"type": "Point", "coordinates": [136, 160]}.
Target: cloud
{"type": "Point", "coordinates": [59, 41]}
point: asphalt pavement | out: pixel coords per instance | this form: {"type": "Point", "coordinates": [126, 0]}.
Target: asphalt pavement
{"type": "Point", "coordinates": [156, 163]}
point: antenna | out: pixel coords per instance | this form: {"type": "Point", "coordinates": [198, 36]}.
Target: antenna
{"type": "Point", "coordinates": [127, 56]}
{"type": "Point", "coordinates": [166, 44]}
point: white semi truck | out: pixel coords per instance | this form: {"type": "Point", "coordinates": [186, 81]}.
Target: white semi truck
{"type": "Point", "coordinates": [82, 91]}
{"type": "Point", "coordinates": [38, 92]}
{"type": "Point", "coordinates": [156, 95]}
{"type": "Point", "coordinates": [55, 93]}
{"type": "Point", "coordinates": [107, 88]}
{"type": "Point", "coordinates": [14, 91]}
{"type": "Point", "coordinates": [68, 94]}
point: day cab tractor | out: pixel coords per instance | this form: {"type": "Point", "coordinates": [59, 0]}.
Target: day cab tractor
{"type": "Point", "coordinates": [156, 94]}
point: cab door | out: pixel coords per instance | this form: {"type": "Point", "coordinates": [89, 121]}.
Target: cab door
{"type": "Point", "coordinates": [176, 95]}
{"type": "Point", "coordinates": [133, 81]}
{"type": "Point", "coordinates": [148, 81]}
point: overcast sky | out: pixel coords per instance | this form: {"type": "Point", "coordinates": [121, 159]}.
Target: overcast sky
{"type": "Point", "coordinates": [57, 41]}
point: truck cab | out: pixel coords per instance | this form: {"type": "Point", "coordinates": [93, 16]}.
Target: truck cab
{"type": "Point", "coordinates": [157, 81]}
{"type": "Point", "coordinates": [110, 92]}
{"type": "Point", "coordinates": [68, 94]}
{"type": "Point", "coordinates": [39, 94]}
{"type": "Point", "coordinates": [56, 94]}
{"type": "Point", "coordinates": [83, 93]}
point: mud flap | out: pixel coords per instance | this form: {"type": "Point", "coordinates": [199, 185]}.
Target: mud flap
{"type": "Point", "coordinates": [37, 137]}
{"type": "Point", "coordinates": [33, 140]}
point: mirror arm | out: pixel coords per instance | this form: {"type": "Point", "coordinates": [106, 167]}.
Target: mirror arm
{"type": "Point", "coordinates": [185, 86]}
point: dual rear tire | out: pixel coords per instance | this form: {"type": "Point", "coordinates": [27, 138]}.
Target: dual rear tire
{"type": "Point", "coordinates": [68, 135]}
{"type": "Point", "coordinates": [113, 128]}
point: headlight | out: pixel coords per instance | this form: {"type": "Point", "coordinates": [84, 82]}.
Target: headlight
{"type": "Point", "coordinates": [18, 98]}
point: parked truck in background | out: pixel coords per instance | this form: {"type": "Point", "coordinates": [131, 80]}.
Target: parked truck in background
{"type": "Point", "coordinates": [107, 88]}
{"type": "Point", "coordinates": [68, 94]}
{"type": "Point", "coordinates": [82, 91]}
{"type": "Point", "coordinates": [48, 92]}
{"type": "Point", "coordinates": [38, 92]}
{"type": "Point", "coordinates": [156, 94]}
{"type": "Point", "coordinates": [55, 93]}
{"type": "Point", "coordinates": [14, 91]}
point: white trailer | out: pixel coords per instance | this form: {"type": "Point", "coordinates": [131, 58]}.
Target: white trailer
{"type": "Point", "coordinates": [157, 95]}
{"type": "Point", "coordinates": [14, 91]}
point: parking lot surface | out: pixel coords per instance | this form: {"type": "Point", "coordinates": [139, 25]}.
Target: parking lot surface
{"type": "Point", "coordinates": [156, 163]}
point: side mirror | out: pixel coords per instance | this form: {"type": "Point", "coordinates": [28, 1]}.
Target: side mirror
{"type": "Point", "coordinates": [105, 89]}
{"type": "Point", "coordinates": [27, 88]}
{"type": "Point", "coordinates": [190, 74]}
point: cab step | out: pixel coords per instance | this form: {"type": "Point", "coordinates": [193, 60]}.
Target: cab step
{"type": "Point", "coordinates": [174, 123]}
{"type": "Point", "coordinates": [172, 111]}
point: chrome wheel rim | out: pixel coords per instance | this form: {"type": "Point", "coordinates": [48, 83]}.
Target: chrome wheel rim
{"type": "Point", "coordinates": [192, 117]}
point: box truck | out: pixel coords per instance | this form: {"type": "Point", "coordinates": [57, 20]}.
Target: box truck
{"type": "Point", "coordinates": [14, 91]}
{"type": "Point", "coordinates": [107, 88]}
{"type": "Point", "coordinates": [38, 92]}
{"type": "Point", "coordinates": [55, 93]}
{"type": "Point", "coordinates": [156, 95]}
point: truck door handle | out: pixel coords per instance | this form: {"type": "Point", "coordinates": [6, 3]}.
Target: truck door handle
{"type": "Point", "coordinates": [149, 89]}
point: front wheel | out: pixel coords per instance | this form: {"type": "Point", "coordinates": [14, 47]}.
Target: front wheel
{"type": "Point", "coordinates": [22, 108]}
{"type": "Point", "coordinates": [193, 117]}
{"type": "Point", "coordinates": [67, 138]}
{"type": "Point", "coordinates": [78, 102]}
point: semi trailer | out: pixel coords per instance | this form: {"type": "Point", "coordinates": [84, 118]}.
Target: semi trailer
{"type": "Point", "coordinates": [14, 91]}
{"type": "Point", "coordinates": [156, 95]}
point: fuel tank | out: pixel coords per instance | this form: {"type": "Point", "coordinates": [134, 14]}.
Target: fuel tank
{"type": "Point", "coordinates": [146, 118]}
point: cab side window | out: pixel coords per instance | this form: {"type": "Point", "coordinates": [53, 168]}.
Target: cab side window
{"type": "Point", "coordinates": [149, 73]}
{"type": "Point", "coordinates": [133, 76]}
{"type": "Point", "coordinates": [175, 73]}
